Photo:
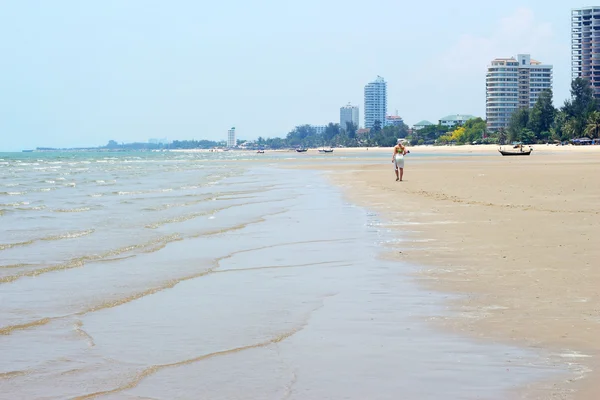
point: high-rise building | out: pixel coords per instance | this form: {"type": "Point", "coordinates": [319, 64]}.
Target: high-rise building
{"type": "Point", "coordinates": [375, 102]}
{"type": "Point", "coordinates": [512, 84]}
{"type": "Point", "coordinates": [348, 113]}
{"type": "Point", "coordinates": [231, 140]}
{"type": "Point", "coordinates": [585, 45]}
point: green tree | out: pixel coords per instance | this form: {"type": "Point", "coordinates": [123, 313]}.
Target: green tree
{"type": "Point", "coordinates": [475, 129]}
{"type": "Point", "coordinates": [541, 117]}
{"type": "Point", "coordinates": [376, 126]}
{"type": "Point", "coordinates": [502, 137]}
{"type": "Point", "coordinates": [331, 131]}
{"type": "Point", "coordinates": [518, 122]}
{"type": "Point", "coordinates": [592, 130]}
{"type": "Point", "coordinates": [351, 129]}
{"type": "Point", "coordinates": [528, 136]}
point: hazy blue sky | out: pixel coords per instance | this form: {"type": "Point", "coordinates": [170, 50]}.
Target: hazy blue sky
{"type": "Point", "coordinates": [76, 73]}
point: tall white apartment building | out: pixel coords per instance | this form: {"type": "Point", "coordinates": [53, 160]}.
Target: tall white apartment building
{"type": "Point", "coordinates": [585, 45]}
{"type": "Point", "coordinates": [375, 102]}
{"type": "Point", "coordinates": [231, 140]}
{"type": "Point", "coordinates": [348, 113]}
{"type": "Point", "coordinates": [512, 84]}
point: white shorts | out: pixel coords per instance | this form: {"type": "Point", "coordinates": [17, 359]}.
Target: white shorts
{"type": "Point", "coordinates": [399, 161]}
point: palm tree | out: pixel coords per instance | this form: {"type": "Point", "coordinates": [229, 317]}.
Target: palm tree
{"type": "Point", "coordinates": [570, 129]}
{"type": "Point", "coordinates": [592, 128]}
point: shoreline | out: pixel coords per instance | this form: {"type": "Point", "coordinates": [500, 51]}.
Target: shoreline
{"type": "Point", "coordinates": [519, 285]}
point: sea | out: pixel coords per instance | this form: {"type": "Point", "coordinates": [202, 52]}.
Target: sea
{"type": "Point", "coordinates": [234, 275]}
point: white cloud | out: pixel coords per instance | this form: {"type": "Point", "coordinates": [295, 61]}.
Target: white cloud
{"type": "Point", "coordinates": [516, 34]}
{"type": "Point", "coordinates": [453, 80]}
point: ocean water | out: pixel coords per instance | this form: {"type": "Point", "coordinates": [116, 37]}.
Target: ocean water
{"type": "Point", "coordinates": [216, 276]}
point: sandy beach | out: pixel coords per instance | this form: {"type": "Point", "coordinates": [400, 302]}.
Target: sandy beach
{"type": "Point", "coordinates": [162, 275]}
{"type": "Point", "coordinates": [515, 237]}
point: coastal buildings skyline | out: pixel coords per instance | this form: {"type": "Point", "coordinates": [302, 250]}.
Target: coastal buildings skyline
{"type": "Point", "coordinates": [375, 102]}
{"type": "Point", "coordinates": [513, 83]}
{"type": "Point", "coordinates": [545, 32]}
{"type": "Point", "coordinates": [585, 45]}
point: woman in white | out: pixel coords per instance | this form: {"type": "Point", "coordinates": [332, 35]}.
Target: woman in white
{"type": "Point", "coordinates": [398, 159]}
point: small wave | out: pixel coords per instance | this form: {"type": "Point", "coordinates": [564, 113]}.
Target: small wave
{"type": "Point", "coordinates": [125, 193]}
{"type": "Point", "coordinates": [96, 195]}
{"type": "Point", "coordinates": [11, 184]}
{"type": "Point", "coordinates": [21, 265]}
{"type": "Point", "coordinates": [68, 235]}
{"type": "Point", "coordinates": [36, 208]}
{"type": "Point", "coordinates": [46, 189]}
{"type": "Point", "coordinates": [9, 329]}
{"type": "Point", "coordinates": [22, 203]}
{"type": "Point", "coordinates": [12, 245]}
{"type": "Point", "coordinates": [49, 181]}
{"type": "Point", "coordinates": [71, 210]}
{"type": "Point", "coordinates": [147, 247]}
{"type": "Point", "coordinates": [12, 193]}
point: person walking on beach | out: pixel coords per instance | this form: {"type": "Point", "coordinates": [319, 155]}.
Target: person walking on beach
{"type": "Point", "coordinates": [398, 159]}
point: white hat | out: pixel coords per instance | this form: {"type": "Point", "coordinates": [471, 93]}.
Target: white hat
{"type": "Point", "coordinates": [399, 141]}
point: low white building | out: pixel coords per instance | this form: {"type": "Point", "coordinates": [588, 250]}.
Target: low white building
{"type": "Point", "coordinates": [393, 120]}
{"type": "Point", "coordinates": [319, 129]}
{"type": "Point", "coordinates": [455, 119]}
{"type": "Point", "coordinates": [422, 125]}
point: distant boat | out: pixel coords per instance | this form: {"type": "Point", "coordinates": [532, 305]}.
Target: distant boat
{"type": "Point", "coordinates": [516, 151]}
{"type": "Point", "coordinates": [301, 150]}
{"type": "Point", "coordinates": [27, 151]}
{"type": "Point", "coordinates": [325, 150]}
{"type": "Point", "coordinates": [260, 152]}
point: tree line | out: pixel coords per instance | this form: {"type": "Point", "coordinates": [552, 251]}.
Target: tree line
{"type": "Point", "coordinates": [334, 136]}
{"type": "Point", "coordinates": [578, 117]}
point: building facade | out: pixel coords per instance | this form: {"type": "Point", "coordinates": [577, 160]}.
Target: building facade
{"type": "Point", "coordinates": [513, 83]}
{"type": "Point", "coordinates": [319, 129]}
{"type": "Point", "coordinates": [453, 120]}
{"type": "Point", "coordinates": [393, 120]}
{"type": "Point", "coordinates": [585, 45]}
{"type": "Point", "coordinates": [375, 102]}
{"type": "Point", "coordinates": [348, 113]}
{"type": "Point", "coordinates": [231, 140]}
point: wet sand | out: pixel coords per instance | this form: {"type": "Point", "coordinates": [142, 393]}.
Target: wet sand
{"type": "Point", "coordinates": [170, 277]}
{"type": "Point", "coordinates": [516, 238]}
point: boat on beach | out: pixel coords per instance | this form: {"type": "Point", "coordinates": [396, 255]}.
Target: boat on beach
{"type": "Point", "coordinates": [301, 150]}
{"type": "Point", "coordinates": [325, 150]}
{"type": "Point", "coordinates": [517, 150]}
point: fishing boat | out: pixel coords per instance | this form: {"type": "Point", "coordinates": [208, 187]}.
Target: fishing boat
{"type": "Point", "coordinates": [261, 152]}
{"type": "Point", "coordinates": [517, 150]}
{"type": "Point", "coordinates": [325, 150]}
{"type": "Point", "coordinates": [301, 150]}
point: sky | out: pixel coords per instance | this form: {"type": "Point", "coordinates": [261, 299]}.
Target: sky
{"type": "Point", "coordinates": [80, 73]}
